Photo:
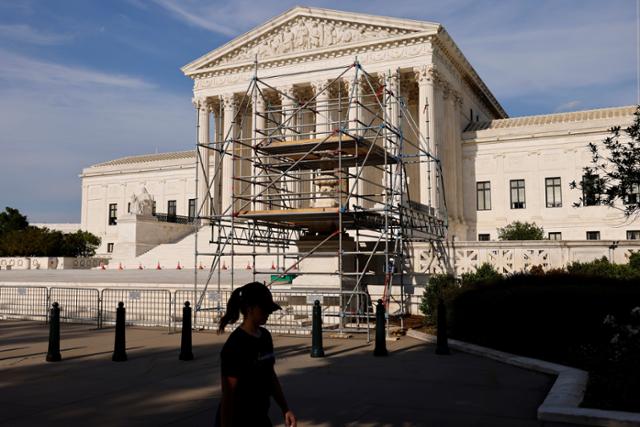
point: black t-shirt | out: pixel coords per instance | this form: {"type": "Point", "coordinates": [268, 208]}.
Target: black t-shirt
{"type": "Point", "coordinates": [250, 359]}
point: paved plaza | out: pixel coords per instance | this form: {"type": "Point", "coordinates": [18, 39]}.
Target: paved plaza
{"type": "Point", "coordinates": [411, 387]}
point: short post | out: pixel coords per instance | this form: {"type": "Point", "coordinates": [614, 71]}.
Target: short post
{"type": "Point", "coordinates": [442, 343]}
{"type": "Point", "coordinates": [186, 352]}
{"type": "Point", "coordinates": [53, 354]}
{"type": "Point", "coordinates": [381, 341]}
{"type": "Point", "coordinates": [119, 348]}
{"type": "Point", "coordinates": [316, 331]}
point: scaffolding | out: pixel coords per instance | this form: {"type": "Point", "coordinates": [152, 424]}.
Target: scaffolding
{"type": "Point", "coordinates": [324, 175]}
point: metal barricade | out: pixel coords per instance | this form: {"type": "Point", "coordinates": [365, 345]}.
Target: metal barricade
{"type": "Point", "coordinates": [144, 307]}
{"type": "Point", "coordinates": [77, 305]}
{"type": "Point", "coordinates": [24, 302]}
{"type": "Point", "coordinates": [213, 307]}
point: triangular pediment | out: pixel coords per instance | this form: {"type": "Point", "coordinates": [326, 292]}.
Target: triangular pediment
{"type": "Point", "coordinates": [305, 30]}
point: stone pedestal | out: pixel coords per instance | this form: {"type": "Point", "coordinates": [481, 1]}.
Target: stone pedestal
{"type": "Point", "coordinates": [138, 234]}
{"type": "Point", "coordinates": [325, 259]}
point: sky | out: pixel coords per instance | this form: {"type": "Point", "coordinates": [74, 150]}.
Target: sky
{"type": "Point", "coordinates": [86, 81]}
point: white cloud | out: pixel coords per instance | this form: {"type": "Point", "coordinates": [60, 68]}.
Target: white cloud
{"type": "Point", "coordinates": [568, 106]}
{"type": "Point", "coordinates": [26, 34]}
{"type": "Point", "coordinates": [50, 132]}
{"type": "Point", "coordinates": [21, 68]}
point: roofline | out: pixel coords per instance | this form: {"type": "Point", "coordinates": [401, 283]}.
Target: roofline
{"type": "Point", "coordinates": [300, 10]}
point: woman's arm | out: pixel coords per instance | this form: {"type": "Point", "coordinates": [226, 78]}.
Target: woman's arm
{"type": "Point", "coordinates": [278, 396]}
{"type": "Point", "coordinates": [229, 385]}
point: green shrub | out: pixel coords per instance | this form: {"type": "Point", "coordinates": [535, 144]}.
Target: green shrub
{"type": "Point", "coordinates": [486, 273]}
{"type": "Point", "coordinates": [634, 261]}
{"type": "Point", "coordinates": [521, 231]}
{"type": "Point", "coordinates": [438, 286]}
{"type": "Point", "coordinates": [603, 268]}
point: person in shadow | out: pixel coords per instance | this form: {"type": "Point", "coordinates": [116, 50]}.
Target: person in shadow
{"type": "Point", "coordinates": [247, 362]}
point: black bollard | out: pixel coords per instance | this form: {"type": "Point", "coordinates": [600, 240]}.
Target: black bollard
{"type": "Point", "coordinates": [316, 331]}
{"type": "Point", "coordinates": [442, 343]}
{"type": "Point", "coordinates": [381, 341]}
{"type": "Point", "coordinates": [186, 352]}
{"type": "Point", "coordinates": [119, 348]}
{"type": "Point", "coordinates": [53, 354]}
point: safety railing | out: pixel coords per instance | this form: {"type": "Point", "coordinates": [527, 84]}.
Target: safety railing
{"type": "Point", "coordinates": [145, 307]}
{"type": "Point", "coordinates": [77, 305]}
{"type": "Point", "coordinates": [24, 302]}
{"type": "Point", "coordinates": [161, 308]}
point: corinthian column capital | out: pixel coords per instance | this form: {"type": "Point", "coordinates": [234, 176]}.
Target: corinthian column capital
{"type": "Point", "coordinates": [229, 101]}
{"type": "Point", "coordinates": [427, 74]}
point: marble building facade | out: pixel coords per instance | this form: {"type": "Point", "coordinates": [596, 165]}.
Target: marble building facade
{"type": "Point", "coordinates": [496, 169]}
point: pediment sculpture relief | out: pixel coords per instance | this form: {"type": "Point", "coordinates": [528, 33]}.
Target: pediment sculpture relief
{"type": "Point", "coordinates": [305, 34]}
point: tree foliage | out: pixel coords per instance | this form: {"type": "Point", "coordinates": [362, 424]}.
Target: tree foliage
{"type": "Point", "coordinates": [18, 238]}
{"type": "Point", "coordinates": [521, 231]}
{"type": "Point", "coordinates": [613, 177]}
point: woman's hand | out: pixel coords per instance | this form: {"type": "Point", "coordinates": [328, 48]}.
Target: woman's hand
{"type": "Point", "coordinates": [290, 419]}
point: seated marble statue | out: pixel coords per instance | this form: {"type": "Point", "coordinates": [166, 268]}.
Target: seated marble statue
{"type": "Point", "coordinates": [142, 204]}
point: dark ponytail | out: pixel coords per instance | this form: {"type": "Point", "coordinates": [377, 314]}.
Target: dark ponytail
{"type": "Point", "coordinates": [233, 310]}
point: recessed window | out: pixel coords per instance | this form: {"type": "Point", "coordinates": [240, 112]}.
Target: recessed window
{"type": "Point", "coordinates": [517, 194]}
{"type": "Point", "coordinates": [113, 213]}
{"type": "Point", "coordinates": [484, 237]}
{"type": "Point", "coordinates": [192, 209]}
{"type": "Point", "coordinates": [555, 235]}
{"type": "Point", "coordinates": [589, 190]}
{"type": "Point", "coordinates": [633, 234]}
{"type": "Point", "coordinates": [171, 210]}
{"type": "Point", "coordinates": [633, 197]}
{"type": "Point", "coordinates": [153, 208]}
{"type": "Point", "coordinates": [110, 247]}
{"type": "Point", "coordinates": [593, 235]}
{"type": "Point", "coordinates": [129, 207]}
{"type": "Point", "coordinates": [553, 192]}
{"type": "Point", "coordinates": [483, 195]}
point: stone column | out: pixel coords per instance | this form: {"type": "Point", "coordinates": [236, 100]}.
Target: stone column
{"type": "Point", "coordinates": [287, 98]}
{"type": "Point", "coordinates": [229, 134]}
{"type": "Point", "coordinates": [425, 76]}
{"type": "Point", "coordinates": [203, 165]}
{"type": "Point", "coordinates": [258, 135]}
{"type": "Point", "coordinates": [322, 106]}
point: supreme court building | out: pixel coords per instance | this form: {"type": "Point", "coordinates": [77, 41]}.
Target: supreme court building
{"type": "Point", "coordinates": [493, 169]}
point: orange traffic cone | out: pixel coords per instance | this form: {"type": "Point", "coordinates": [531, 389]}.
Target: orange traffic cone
{"type": "Point", "coordinates": [179, 267]}
{"type": "Point", "coordinates": [140, 267]}
{"type": "Point", "coordinates": [158, 266]}
{"type": "Point", "coordinates": [273, 265]}
{"type": "Point", "coordinates": [248, 267]}
{"type": "Point", "coordinates": [200, 267]}
{"type": "Point", "coordinates": [120, 266]}
{"type": "Point", "coordinates": [102, 267]}
{"type": "Point", "coordinates": [224, 266]}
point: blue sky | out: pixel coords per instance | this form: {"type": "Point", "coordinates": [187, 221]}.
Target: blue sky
{"type": "Point", "coordinates": [85, 81]}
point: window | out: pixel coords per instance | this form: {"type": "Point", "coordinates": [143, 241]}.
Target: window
{"type": "Point", "coordinates": [192, 209]}
{"type": "Point", "coordinates": [555, 235]}
{"type": "Point", "coordinates": [589, 191]}
{"type": "Point", "coordinates": [484, 237]}
{"type": "Point", "coordinates": [110, 247]}
{"type": "Point", "coordinates": [171, 210]}
{"type": "Point", "coordinates": [483, 195]}
{"type": "Point", "coordinates": [633, 235]}
{"type": "Point", "coordinates": [593, 235]}
{"type": "Point", "coordinates": [153, 208]}
{"type": "Point", "coordinates": [129, 207]}
{"type": "Point", "coordinates": [113, 213]}
{"type": "Point", "coordinates": [517, 194]}
{"type": "Point", "coordinates": [633, 197]}
{"type": "Point", "coordinates": [553, 192]}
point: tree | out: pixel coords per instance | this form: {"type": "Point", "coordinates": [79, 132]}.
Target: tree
{"type": "Point", "coordinates": [521, 231]}
{"type": "Point", "coordinates": [12, 220]}
{"type": "Point", "coordinates": [613, 177]}
{"type": "Point", "coordinates": [21, 239]}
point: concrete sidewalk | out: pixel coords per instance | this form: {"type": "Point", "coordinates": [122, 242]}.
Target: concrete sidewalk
{"type": "Point", "coordinates": [411, 387]}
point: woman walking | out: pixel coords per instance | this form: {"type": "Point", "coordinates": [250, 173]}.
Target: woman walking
{"type": "Point", "coordinates": [247, 359]}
